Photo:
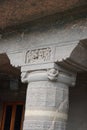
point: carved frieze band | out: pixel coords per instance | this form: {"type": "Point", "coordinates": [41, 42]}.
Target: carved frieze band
{"type": "Point", "coordinates": [38, 55]}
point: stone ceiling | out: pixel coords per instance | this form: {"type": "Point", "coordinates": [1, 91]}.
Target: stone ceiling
{"type": "Point", "coordinates": [15, 12]}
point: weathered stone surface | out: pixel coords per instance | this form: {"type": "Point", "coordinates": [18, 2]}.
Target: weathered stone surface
{"type": "Point", "coordinates": [46, 96]}
{"type": "Point", "coordinates": [46, 106]}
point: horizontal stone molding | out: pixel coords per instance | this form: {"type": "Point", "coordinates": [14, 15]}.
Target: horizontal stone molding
{"type": "Point", "coordinates": [51, 74]}
{"type": "Point", "coordinates": [44, 113]}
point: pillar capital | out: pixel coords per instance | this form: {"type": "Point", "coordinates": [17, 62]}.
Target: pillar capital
{"type": "Point", "coordinates": [47, 72]}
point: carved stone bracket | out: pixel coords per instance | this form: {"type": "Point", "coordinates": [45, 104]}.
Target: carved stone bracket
{"type": "Point", "coordinates": [66, 55]}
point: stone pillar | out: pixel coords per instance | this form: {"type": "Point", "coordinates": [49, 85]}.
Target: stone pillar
{"type": "Point", "coordinates": [47, 99]}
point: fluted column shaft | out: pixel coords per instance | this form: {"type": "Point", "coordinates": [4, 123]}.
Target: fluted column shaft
{"type": "Point", "coordinates": [47, 99]}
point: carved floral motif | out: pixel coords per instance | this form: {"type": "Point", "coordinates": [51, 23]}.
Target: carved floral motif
{"type": "Point", "coordinates": [38, 55]}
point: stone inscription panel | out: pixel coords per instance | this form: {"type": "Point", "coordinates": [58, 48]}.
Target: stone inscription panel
{"type": "Point", "coordinates": [38, 55]}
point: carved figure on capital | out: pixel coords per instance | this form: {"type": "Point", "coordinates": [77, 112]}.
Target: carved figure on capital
{"type": "Point", "coordinates": [38, 55]}
{"type": "Point", "coordinates": [53, 74]}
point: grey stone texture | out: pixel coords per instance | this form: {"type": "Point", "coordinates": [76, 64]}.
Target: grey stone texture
{"type": "Point", "coordinates": [46, 96]}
